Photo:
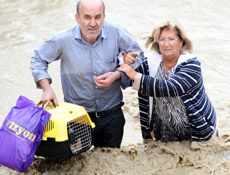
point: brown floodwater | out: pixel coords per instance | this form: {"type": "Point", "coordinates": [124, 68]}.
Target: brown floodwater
{"type": "Point", "coordinates": [25, 24]}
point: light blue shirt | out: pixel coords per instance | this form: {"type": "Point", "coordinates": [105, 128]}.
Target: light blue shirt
{"type": "Point", "coordinates": [80, 61]}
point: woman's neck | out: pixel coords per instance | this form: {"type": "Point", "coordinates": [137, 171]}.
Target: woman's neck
{"type": "Point", "coordinates": [169, 63]}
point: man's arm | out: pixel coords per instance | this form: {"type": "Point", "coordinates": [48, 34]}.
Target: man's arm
{"type": "Point", "coordinates": [106, 79]}
{"type": "Point", "coordinates": [48, 93]}
{"type": "Point", "coordinates": [128, 44]}
{"type": "Point", "coordinates": [49, 51]}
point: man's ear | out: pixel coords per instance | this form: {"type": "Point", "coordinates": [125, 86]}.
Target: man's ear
{"type": "Point", "coordinates": [77, 18]}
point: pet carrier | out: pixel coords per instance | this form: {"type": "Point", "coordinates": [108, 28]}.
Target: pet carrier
{"type": "Point", "coordinates": [68, 132]}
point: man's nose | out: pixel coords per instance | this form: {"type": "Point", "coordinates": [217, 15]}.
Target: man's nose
{"type": "Point", "coordinates": [92, 22]}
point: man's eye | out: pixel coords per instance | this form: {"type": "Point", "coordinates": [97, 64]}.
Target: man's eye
{"type": "Point", "coordinates": [98, 17]}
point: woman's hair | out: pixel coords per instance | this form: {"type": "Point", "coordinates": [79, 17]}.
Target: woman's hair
{"type": "Point", "coordinates": [153, 39]}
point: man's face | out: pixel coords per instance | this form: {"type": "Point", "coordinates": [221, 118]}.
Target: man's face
{"type": "Point", "coordinates": [91, 18]}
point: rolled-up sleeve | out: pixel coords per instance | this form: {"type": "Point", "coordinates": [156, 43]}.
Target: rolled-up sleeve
{"type": "Point", "coordinates": [49, 51]}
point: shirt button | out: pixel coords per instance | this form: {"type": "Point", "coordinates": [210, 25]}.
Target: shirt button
{"type": "Point", "coordinates": [97, 101]}
{"type": "Point", "coordinates": [96, 87]}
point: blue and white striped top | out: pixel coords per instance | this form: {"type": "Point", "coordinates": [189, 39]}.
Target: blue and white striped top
{"type": "Point", "coordinates": [187, 83]}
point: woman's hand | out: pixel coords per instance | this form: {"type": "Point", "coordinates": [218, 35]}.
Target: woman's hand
{"type": "Point", "coordinates": [130, 72]}
{"type": "Point", "coordinates": [130, 57]}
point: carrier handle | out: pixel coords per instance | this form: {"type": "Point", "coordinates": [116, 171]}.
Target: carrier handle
{"type": "Point", "coordinates": [52, 101]}
{"type": "Point", "coordinates": [54, 104]}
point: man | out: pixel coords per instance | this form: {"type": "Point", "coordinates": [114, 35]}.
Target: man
{"type": "Point", "coordinates": [89, 69]}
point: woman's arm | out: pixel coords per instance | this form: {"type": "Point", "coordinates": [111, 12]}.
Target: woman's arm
{"type": "Point", "coordinates": [187, 75]}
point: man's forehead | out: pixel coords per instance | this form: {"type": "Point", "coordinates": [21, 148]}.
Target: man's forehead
{"type": "Point", "coordinates": [95, 8]}
{"type": "Point", "coordinates": [91, 2]}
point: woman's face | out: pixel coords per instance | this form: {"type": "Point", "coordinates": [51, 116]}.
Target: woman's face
{"type": "Point", "coordinates": [170, 44]}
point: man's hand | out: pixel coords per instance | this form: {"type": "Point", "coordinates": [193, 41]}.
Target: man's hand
{"type": "Point", "coordinates": [106, 79]}
{"type": "Point", "coordinates": [130, 57]}
{"type": "Point", "coordinates": [48, 93]}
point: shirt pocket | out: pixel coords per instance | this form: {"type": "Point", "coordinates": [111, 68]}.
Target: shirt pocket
{"type": "Point", "coordinates": [111, 59]}
{"type": "Point", "coordinates": [111, 62]}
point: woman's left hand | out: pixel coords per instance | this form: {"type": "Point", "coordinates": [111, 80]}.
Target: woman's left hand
{"type": "Point", "coordinates": [130, 57]}
{"type": "Point", "coordinates": [130, 72]}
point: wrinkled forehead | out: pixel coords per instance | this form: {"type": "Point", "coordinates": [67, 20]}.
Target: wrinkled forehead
{"type": "Point", "coordinates": [169, 31]}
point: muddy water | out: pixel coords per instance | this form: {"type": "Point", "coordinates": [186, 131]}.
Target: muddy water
{"type": "Point", "coordinates": [25, 24]}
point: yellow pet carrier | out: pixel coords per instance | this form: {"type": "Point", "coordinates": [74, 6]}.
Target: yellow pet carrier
{"type": "Point", "coordinates": [68, 132]}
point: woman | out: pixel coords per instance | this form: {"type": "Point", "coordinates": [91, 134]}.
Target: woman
{"type": "Point", "coordinates": [172, 98]}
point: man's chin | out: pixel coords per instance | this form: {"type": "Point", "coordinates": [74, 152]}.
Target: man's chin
{"type": "Point", "coordinates": [93, 35]}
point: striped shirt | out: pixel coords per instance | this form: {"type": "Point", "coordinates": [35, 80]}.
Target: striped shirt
{"type": "Point", "coordinates": [187, 83]}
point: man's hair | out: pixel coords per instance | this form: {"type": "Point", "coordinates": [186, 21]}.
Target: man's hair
{"type": "Point", "coordinates": [78, 6]}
